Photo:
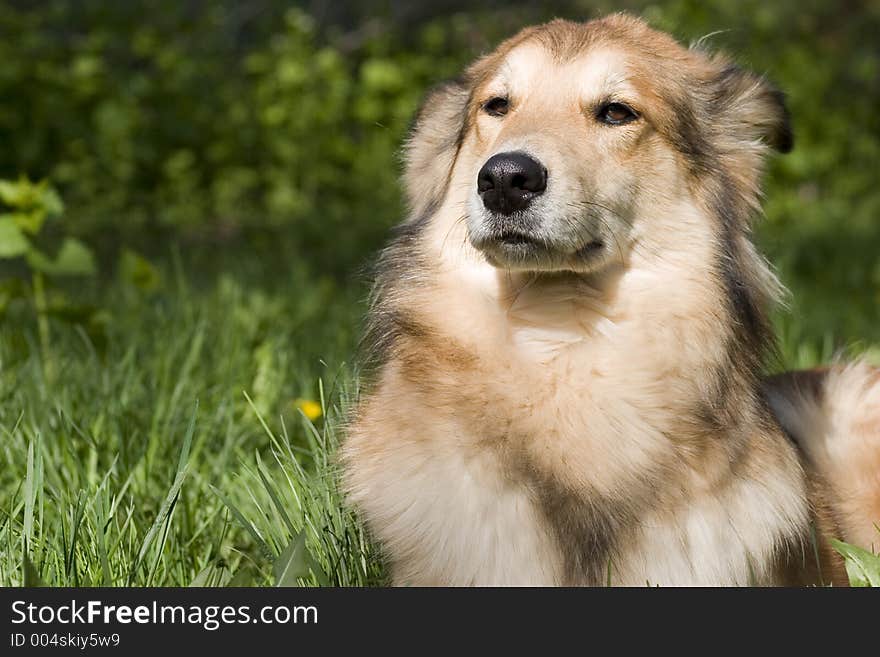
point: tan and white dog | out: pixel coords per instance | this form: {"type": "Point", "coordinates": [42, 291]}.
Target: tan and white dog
{"type": "Point", "coordinates": [568, 335]}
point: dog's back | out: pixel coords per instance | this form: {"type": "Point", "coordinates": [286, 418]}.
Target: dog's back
{"type": "Point", "coordinates": [833, 414]}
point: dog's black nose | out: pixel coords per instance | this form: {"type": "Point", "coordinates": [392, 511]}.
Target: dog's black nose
{"type": "Point", "coordinates": [509, 181]}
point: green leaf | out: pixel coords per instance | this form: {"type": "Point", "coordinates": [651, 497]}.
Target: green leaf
{"type": "Point", "coordinates": [39, 260]}
{"type": "Point", "coordinates": [862, 567]}
{"type": "Point", "coordinates": [13, 243]}
{"type": "Point", "coordinates": [30, 221]}
{"type": "Point", "coordinates": [167, 508]}
{"type": "Point", "coordinates": [31, 576]}
{"type": "Point", "coordinates": [25, 195]}
{"type": "Point", "coordinates": [244, 522]}
{"type": "Point", "coordinates": [50, 200]}
{"type": "Point", "coordinates": [243, 577]}
{"type": "Point", "coordinates": [204, 576]}
{"type": "Point", "coordinates": [293, 563]}
{"type": "Point", "coordinates": [138, 272]}
{"type": "Point", "coordinates": [11, 193]}
{"type": "Point", "coordinates": [74, 258]}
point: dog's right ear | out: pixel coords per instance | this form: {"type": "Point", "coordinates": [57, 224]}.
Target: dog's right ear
{"type": "Point", "coordinates": [751, 107]}
{"type": "Point", "coordinates": [433, 145]}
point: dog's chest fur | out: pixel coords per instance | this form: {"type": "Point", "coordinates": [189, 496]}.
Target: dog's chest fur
{"type": "Point", "coordinates": [450, 521]}
{"type": "Point", "coordinates": [549, 450]}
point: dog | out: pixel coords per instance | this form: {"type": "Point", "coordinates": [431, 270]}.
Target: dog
{"type": "Point", "coordinates": [567, 338]}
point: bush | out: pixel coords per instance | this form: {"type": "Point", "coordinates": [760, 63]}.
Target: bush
{"type": "Point", "coordinates": [191, 120]}
{"type": "Point", "coordinates": [160, 125]}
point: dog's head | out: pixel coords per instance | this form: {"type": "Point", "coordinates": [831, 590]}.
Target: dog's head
{"type": "Point", "coordinates": [558, 144]}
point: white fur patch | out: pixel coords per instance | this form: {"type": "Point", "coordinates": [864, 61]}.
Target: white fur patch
{"type": "Point", "coordinates": [727, 539]}
{"type": "Point", "coordinates": [450, 518]}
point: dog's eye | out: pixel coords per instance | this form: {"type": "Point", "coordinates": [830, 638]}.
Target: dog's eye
{"type": "Point", "coordinates": [497, 106]}
{"type": "Point", "coordinates": [616, 114]}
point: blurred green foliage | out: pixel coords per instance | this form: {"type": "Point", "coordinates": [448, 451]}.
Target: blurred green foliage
{"type": "Point", "coordinates": [25, 208]}
{"type": "Point", "coordinates": [266, 122]}
{"type": "Point", "coordinates": [161, 124]}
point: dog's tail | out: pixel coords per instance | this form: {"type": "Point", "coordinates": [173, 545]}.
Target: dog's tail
{"type": "Point", "coordinates": [833, 415]}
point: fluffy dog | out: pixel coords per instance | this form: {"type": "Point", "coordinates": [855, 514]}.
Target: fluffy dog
{"type": "Point", "coordinates": [568, 334]}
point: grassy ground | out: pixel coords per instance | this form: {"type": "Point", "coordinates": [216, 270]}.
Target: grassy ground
{"type": "Point", "coordinates": [175, 451]}
{"type": "Point", "coordinates": [168, 442]}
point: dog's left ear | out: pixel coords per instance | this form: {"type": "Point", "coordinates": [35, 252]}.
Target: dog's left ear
{"type": "Point", "coordinates": [433, 145]}
{"type": "Point", "coordinates": [751, 108]}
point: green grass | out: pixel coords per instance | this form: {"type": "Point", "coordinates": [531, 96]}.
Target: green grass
{"type": "Point", "coordinates": [168, 451]}
{"type": "Point", "coordinates": [160, 443]}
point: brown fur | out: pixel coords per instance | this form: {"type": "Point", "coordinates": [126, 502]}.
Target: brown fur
{"type": "Point", "coordinates": [833, 414]}
{"type": "Point", "coordinates": [574, 419]}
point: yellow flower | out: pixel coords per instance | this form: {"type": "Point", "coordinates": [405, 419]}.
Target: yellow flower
{"type": "Point", "coordinates": [310, 408]}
